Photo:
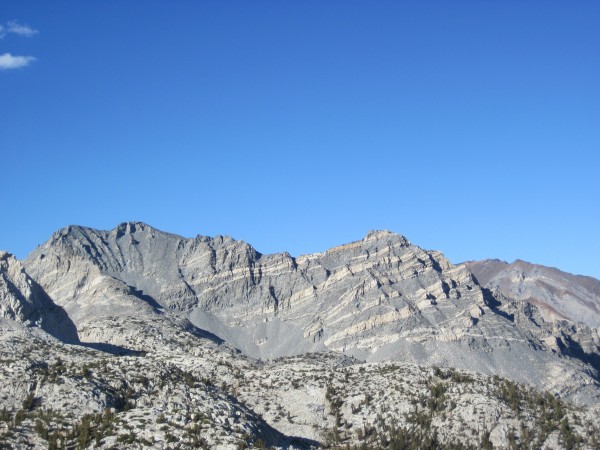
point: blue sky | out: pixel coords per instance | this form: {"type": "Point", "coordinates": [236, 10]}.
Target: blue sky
{"type": "Point", "coordinates": [471, 127]}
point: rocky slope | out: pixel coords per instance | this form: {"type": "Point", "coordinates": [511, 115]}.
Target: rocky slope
{"type": "Point", "coordinates": [63, 393]}
{"type": "Point", "coordinates": [55, 395]}
{"type": "Point", "coordinates": [376, 344]}
{"type": "Point", "coordinates": [376, 299]}
{"type": "Point", "coordinates": [559, 309]}
{"type": "Point", "coordinates": [558, 295]}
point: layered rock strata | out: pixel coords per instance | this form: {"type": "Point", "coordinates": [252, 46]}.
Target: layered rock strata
{"type": "Point", "coordinates": [375, 299]}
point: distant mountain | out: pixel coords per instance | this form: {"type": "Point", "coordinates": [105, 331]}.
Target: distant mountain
{"type": "Point", "coordinates": [558, 295]}
{"type": "Point", "coordinates": [134, 337]}
{"type": "Point", "coordinates": [380, 298]}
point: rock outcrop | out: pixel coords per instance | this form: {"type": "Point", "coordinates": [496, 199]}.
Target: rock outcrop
{"type": "Point", "coordinates": [24, 301]}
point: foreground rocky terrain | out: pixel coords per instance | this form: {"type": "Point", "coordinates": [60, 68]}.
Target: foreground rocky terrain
{"type": "Point", "coordinates": [135, 337]}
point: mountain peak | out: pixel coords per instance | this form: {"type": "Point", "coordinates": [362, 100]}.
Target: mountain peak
{"type": "Point", "coordinates": [5, 255]}
{"type": "Point", "coordinates": [129, 224]}
{"type": "Point", "coordinates": [374, 235]}
{"type": "Point", "coordinates": [131, 228]}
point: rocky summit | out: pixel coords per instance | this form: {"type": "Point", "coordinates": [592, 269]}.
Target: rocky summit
{"type": "Point", "coordinates": [135, 337]}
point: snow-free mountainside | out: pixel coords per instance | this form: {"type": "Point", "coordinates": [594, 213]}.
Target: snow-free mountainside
{"type": "Point", "coordinates": [135, 338]}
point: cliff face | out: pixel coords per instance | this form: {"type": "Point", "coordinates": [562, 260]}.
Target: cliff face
{"type": "Point", "coordinates": [375, 299]}
{"type": "Point", "coordinates": [24, 301]}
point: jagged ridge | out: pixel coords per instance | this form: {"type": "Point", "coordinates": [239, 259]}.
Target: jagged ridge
{"type": "Point", "coordinates": [376, 299]}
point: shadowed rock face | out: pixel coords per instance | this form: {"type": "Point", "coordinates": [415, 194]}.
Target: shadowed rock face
{"type": "Point", "coordinates": [378, 298]}
{"type": "Point", "coordinates": [24, 301]}
{"type": "Point", "coordinates": [558, 295]}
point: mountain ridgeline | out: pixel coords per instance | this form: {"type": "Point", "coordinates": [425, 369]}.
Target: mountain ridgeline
{"type": "Point", "coordinates": [380, 298]}
{"type": "Point", "coordinates": [136, 337]}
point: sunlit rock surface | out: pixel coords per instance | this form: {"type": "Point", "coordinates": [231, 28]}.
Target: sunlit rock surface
{"type": "Point", "coordinates": [135, 337]}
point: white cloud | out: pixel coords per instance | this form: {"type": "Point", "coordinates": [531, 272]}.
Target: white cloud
{"type": "Point", "coordinates": [22, 30]}
{"type": "Point", "coordinates": [15, 27]}
{"type": "Point", "coordinates": [8, 61]}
